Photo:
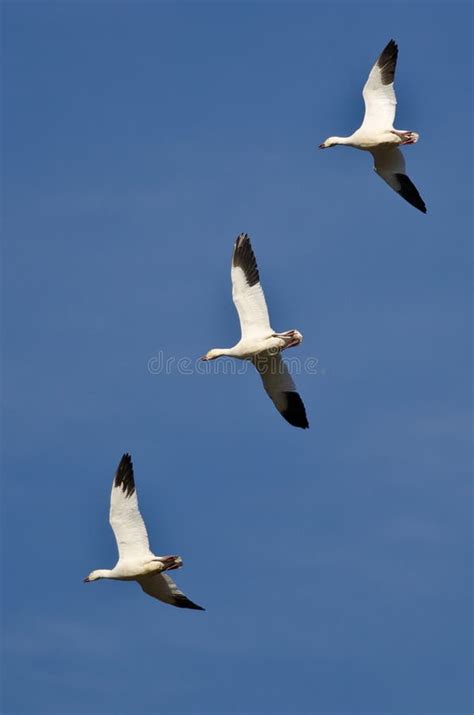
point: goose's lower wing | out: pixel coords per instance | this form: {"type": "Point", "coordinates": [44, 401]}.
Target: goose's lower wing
{"type": "Point", "coordinates": [281, 389]}
{"type": "Point", "coordinates": [389, 164]}
{"type": "Point", "coordinates": [162, 587]}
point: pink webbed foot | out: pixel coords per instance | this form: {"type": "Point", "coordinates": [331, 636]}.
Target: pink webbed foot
{"type": "Point", "coordinates": [171, 562]}
{"type": "Point", "coordinates": [294, 338]}
{"type": "Point", "coordinates": [406, 137]}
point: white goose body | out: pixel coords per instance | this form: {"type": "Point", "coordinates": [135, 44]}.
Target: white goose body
{"type": "Point", "coordinates": [259, 342]}
{"type": "Point", "coordinates": [367, 140]}
{"type": "Point", "coordinates": [248, 349]}
{"type": "Point", "coordinates": [136, 561]}
{"type": "Point", "coordinates": [376, 133]}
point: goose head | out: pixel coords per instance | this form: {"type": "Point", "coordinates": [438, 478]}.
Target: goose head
{"type": "Point", "coordinates": [212, 355]}
{"type": "Point", "coordinates": [330, 141]}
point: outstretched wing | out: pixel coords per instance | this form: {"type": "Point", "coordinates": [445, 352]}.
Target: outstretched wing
{"type": "Point", "coordinates": [379, 92]}
{"type": "Point", "coordinates": [125, 518]}
{"type": "Point", "coordinates": [281, 389]}
{"type": "Point", "coordinates": [247, 292]}
{"type": "Point", "coordinates": [389, 163]}
{"type": "Point", "coordinates": [162, 587]}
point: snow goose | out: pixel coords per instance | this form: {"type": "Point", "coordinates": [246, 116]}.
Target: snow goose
{"type": "Point", "coordinates": [259, 342]}
{"type": "Point", "coordinates": [136, 561]}
{"type": "Point", "coordinates": [376, 133]}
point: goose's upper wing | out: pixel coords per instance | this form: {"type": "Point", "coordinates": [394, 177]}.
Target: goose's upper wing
{"type": "Point", "coordinates": [281, 389]}
{"type": "Point", "coordinates": [125, 518]}
{"type": "Point", "coordinates": [379, 93]}
{"type": "Point", "coordinates": [247, 292]}
{"type": "Point", "coordinates": [389, 163]}
{"type": "Point", "coordinates": [162, 587]}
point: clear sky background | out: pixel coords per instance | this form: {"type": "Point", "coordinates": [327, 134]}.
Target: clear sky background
{"type": "Point", "coordinates": [334, 563]}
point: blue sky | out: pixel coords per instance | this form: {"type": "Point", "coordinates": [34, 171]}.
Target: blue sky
{"type": "Point", "coordinates": [334, 563]}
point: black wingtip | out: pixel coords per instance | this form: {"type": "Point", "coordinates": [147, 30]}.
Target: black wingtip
{"type": "Point", "coordinates": [241, 239]}
{"type": "Point", "coordinates": [124, 475]}
{"type": "Point", "coordinates": [184, 602]}
{"type": "Point", "coordinates": [244, 258]}
{"type": "Point", "coordinates": [390, 50]}
{"type": "Point", "coordinates": [409, 192]}
{"type": "Point", "coordinates": [295, 412]}
{"type": "Point", "coordinates": [387, 62]}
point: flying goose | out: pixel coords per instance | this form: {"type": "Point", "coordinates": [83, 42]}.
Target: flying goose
{"type": "Point", "coordinates": [136, 561]}
{"type": "Point", "coordinates": [376, 133]}
{"type": "Point", "coordinates": [259, 342]}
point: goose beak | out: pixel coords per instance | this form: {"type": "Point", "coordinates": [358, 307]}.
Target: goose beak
{"type": "Point", "coordinates": [86, 580]}
{"type": "Point", "coordinates": [204, 357]}
{"type": "Point", "coordinates": [321, 146]}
